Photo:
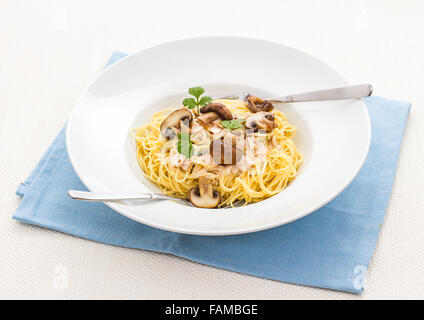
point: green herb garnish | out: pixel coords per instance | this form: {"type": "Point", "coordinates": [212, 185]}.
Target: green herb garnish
{"type": "Point", "coordinates": [233, 124]}
{"type": "Point", "coordinates": [198, 102]}
{"type": "Point", "coordinates": [184, 146]}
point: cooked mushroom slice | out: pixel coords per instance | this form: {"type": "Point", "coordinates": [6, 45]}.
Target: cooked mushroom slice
{"type": "Point", "coordinates": [204, 196]}
{"type": "Point", "coordinates": [251, 102]}
{"type": "Point", "coordinates": [219, 109]}
{"type": "Point", "coordinates": [255, 104]}
{"type": "Point", "coordinates": [224, 153]}
{"type": "Point", "coordinates": [261, 120]}
{"type": "Point", "coordinates": [172, 124]}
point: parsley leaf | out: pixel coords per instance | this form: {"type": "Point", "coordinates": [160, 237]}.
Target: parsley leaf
{"type": "Point", "coordinates": [196, 91]}
{"type": "Point", "coordinates": [196, 103]}
{"type": "Point", "coordinates": [184, 146]}
{"type": "Point", "coordinates": [205, 101]}
{"type": "Point", "coordinates": [233, 124]}
{"type": "Point", "coordinates": [190, 103]}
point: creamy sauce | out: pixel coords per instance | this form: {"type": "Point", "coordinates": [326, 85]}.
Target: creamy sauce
{"type": "Point", "coordinates": [201, 136]}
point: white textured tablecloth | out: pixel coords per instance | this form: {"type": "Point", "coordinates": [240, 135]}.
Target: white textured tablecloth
{"type": "Point", "coordinates": [51, 50]}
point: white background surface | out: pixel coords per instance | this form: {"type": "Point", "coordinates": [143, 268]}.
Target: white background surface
{"type": "Point", "coordinates": [49, 52]}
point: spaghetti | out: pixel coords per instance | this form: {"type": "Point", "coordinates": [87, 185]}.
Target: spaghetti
{"type": "Point", "coordinates": [273, 164]}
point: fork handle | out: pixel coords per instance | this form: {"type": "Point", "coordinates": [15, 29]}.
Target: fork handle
{"type": "Point", "coordinates": [97, 196]}
{"type": "Point", "coordinates": [349, 92]}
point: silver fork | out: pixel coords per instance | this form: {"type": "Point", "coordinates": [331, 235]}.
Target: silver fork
{"type": "Point", "coordinates": [113, 197]}
{"type": "Point", "coordinates": [349, 92]}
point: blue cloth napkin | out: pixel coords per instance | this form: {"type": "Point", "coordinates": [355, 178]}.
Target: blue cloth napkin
{"type": "Point", "coordinates": [330, 248]}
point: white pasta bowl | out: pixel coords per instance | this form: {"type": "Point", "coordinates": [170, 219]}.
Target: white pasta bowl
{"type": "Point", "coordinates": [333, 137]}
